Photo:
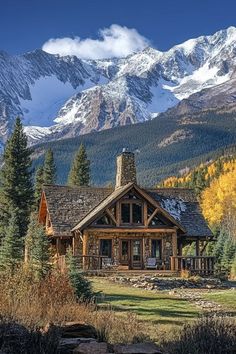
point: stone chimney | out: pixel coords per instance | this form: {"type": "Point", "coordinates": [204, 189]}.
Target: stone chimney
{"type": "Point", "coordinates": [125, 168]}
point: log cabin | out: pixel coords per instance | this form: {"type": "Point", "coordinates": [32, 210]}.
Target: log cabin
{"type": "Point", "coordinates": [127, 227]}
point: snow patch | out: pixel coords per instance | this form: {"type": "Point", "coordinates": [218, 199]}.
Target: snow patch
{"type": "Point", "coordinates": [35, 133]}
{"type": "Point", "coordinates": [175, 207]}
{"type": "Point", "coordinates": [162, 98]}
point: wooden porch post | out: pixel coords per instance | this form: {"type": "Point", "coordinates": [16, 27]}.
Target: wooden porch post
{"type": "Point", "coordinates": [197, 248]}
{"type": "Point", "coordinates": [85, 248]}
{"type": "Point", "coordinates": [174, 249]}
{"type": "Point", "coordinates": [58, 246]}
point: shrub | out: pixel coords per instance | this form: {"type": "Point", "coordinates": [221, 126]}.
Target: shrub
{"type": "Point", "coordinates": [211, 335]}
{"type": "Point", "coordinates": [80, 284]}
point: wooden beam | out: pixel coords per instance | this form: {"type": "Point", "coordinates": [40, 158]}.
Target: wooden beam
{"type": "Point", "coordinates": [152, 216]}
{"type": "Point", "coordinates": [129, 230]}
{"type": "Point", "coordinates": [111, 216]}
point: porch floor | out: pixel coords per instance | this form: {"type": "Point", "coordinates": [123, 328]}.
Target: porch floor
{"type": "Point", "coordinates": [154, 272]}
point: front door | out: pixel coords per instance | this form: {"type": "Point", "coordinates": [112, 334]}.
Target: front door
{"type": "Point", "coordinates": [131, 253]}
{"type": "Point", "coordinates": [125, 253]}
{"type": "Point", "coordinates": [136, 254]}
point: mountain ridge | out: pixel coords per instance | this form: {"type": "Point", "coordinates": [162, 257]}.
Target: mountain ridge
{"type": "Point", "coordinates": [60, 97]}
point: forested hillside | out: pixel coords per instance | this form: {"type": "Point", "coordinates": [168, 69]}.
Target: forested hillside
{"type": "Point", "coordinates": [163, 146]}
{"type": "Point", "coordinates": [202, 175]}
{"type": "Point", "coordinates": [215, 183]}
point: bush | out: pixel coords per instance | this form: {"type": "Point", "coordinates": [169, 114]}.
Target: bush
{"type": "Point", "coordinates": [36, 303]}
{"type": "Point", "coordinates": [80, 284]}
{"type": "Point", "coordinates": [211, 335]}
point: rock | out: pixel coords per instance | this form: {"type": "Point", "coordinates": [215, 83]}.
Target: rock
{"type": "Point", "coordinates": [67, 345]}
{"type": "Point", "coordinates": [76, 330]}
{"type": "Point", "coordinates": [91, 348]}
{"type": "Point", "coordinates": [138, 348]}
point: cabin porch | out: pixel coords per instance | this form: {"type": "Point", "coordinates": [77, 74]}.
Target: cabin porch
{"type": "Point", "coordinates": [125, 250]}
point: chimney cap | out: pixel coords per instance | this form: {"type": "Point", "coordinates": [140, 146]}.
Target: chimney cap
{"type": "Point", "coordinates": [126, 150]}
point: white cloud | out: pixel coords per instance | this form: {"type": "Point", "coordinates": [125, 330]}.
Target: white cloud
{"type": "Point", "coordinates": [116, 41]}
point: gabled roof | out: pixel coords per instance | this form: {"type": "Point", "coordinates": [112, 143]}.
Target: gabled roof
{"type": "Point", "coordinates": [113, 197]}
{"type": "Point", "coordinates": [183, 205]}
{"type": "Point", "coordinates": [68, 205]}
{"type": "Point", "coordinates": [73, 207]}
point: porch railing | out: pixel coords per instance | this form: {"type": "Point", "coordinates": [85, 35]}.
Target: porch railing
{"type": "Point", "coordinates": [196, 264]}
{"type": "Point", "coordinates": [91, 262]}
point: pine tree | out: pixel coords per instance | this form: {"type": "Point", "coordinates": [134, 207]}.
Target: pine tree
{"type": "Point", "coordinates": [49, 168]}
{"type": "Point", "coordinates": [80, 171]}
{"type": "Point", "coordinates": [80, 284]}
{"type": "Point", "coordinates": [39, 181]}
{"type": "Point", "coordinates": [16, 180]}
{"type": "Point", "coordinates": [11, 251]}
{"type": "Point", "coordinates": [228, 253]}
{"type": "Point", "coordinates": [37, 253]}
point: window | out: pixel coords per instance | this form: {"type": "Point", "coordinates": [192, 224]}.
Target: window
{"type": "Point", "coordinates": [156, 249]}
{"type": "Point", "coordinates": [125, 213]}
{"type": "Point", "coordinates": [137, 213]}
{"type": "Point", "coordinates": [105, 247]}
{"type": "Point", "coordinates": [131, 213]}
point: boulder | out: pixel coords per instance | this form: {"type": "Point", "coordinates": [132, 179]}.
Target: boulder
{"type": "Point", "coordinates": [91, 348]}
{"type": "Point", "coordinates": [67, 345]}
{"type": "Point", "coordinates": [77, 330]}
{"type": "Point", "coordinates": [138, 348]}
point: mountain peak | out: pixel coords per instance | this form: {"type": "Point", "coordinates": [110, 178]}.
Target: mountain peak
{"type": "Point", "coordinates": [63, 96]}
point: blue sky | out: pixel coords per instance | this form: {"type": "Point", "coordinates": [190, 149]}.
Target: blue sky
{"type": "Point", "coordinates": [28, 24]}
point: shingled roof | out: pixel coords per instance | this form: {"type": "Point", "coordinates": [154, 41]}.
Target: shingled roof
{"type": "Point", "coordinates": [183, 205]}
{"type": "Point", "coordinates": [68, 206]}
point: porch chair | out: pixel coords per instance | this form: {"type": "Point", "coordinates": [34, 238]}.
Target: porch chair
{"type": "Point", "coordinates": [151, 263]}
{"type": "Point", "coordinates": [106, 263]}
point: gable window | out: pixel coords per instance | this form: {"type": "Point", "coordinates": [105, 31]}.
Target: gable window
{"type": "Point", "coordinates": [105, 247]}
{"type": "Point", "coordinates": [104, 220]}
{"type": "Point", "coordinates": [132, 213]}
{"type": "Point", "coordinates": [137, 213]}
{"type": "Point", "coordinates": [156, 249]}
{"type": "Point", "coordinates": [125, 213]}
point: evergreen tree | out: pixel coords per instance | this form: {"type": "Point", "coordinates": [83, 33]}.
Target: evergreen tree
{"type": "Point", "coordinates": [39, 180]}
{"type": "Point", "coordinates": [228, 253]}
{"type": "Point", "coordinates": [49, 168]}
{"type": "Point", "coordinates": [218, 249]}
{"type": "Point", "coordinates": [16, 180]}
{"type": "Point", "coordinates": [80, 284]}
{"type": "Point", "coordinates": [80, 171]}
{"type": "Point", "coordinates": [37, 253]}
{"type": "Point", "coordinates": [11, 251]}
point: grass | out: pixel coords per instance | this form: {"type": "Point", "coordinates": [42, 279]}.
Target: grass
{"type": "Point", "coordinates": [159, 312]}
{"type": "Point", "coordinates": [226, 298]}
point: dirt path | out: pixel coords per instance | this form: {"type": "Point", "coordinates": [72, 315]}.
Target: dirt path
{"type": "Point", "coordinates": [197, 298]}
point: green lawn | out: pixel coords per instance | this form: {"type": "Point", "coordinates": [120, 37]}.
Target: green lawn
{"type": "Point", "coordinates": [158, 311]}
{"type": "Point", "coordinates": [226, 298]}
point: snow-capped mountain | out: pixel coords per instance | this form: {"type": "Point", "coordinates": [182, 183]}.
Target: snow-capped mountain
{"type": "Point", "coordinates": [64, 96]}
